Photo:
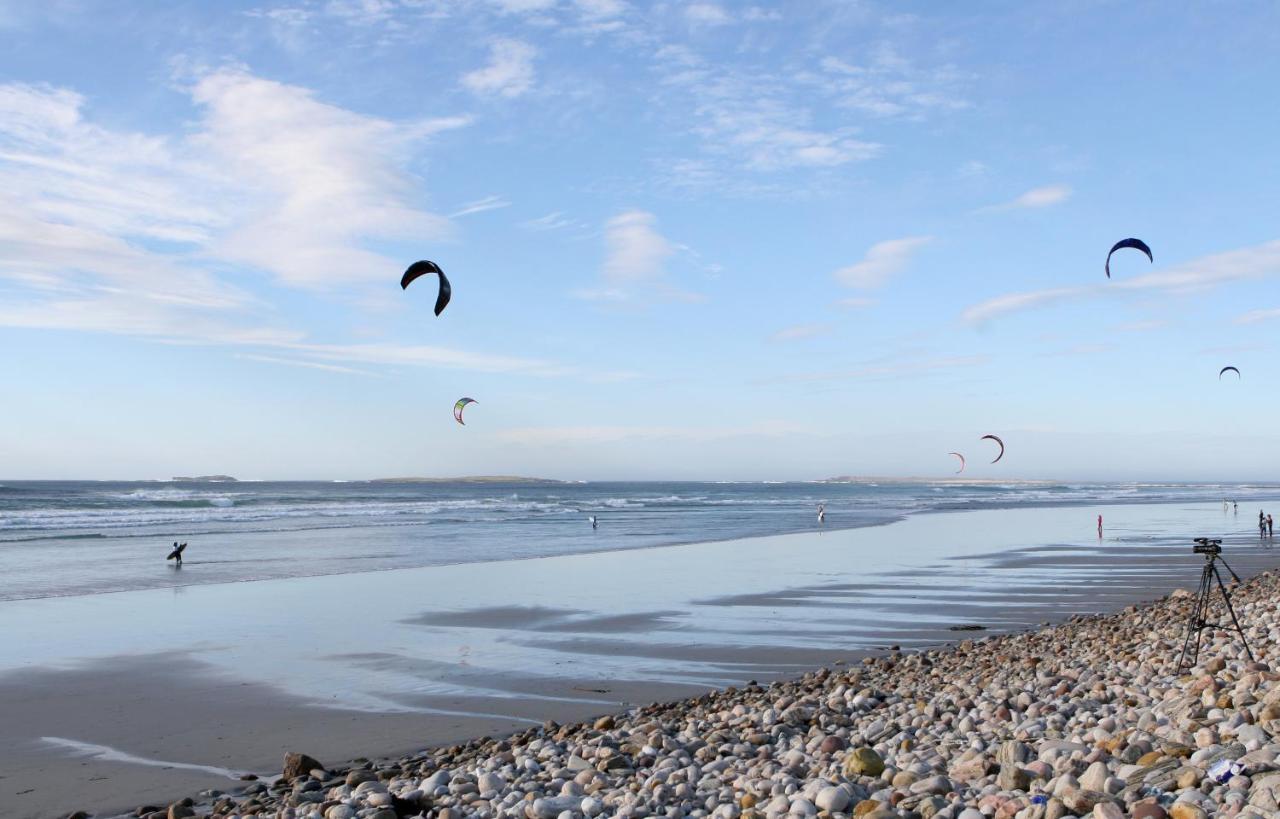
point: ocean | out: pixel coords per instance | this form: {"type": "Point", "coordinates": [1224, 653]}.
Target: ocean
{"type": "Point", "coordinates": [60, 538]}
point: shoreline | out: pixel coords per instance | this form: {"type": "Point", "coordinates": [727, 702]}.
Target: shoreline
{"type": "Point", "coordinates": [731, 613]}
{"type": "Point", "coordinates": [810, 529]}
{"type": "Point", "coordinates": [844, 741]}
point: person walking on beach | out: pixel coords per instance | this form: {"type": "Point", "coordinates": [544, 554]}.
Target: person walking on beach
{"type": "Point", "coordinates": [822, 513]}
{"type": "Point", "coordinates": [595, 522]}
{"type": "Point", "coordinates": [1271, 531]}
{"type": "Point", "coordinates": [1262, 525]}
{"type": "Point", "coordinates": [1236, 507]}
{"type": "Point", "coordinates": [1099, 527]}
{"type": "Point", "coordinates": [176, 554]}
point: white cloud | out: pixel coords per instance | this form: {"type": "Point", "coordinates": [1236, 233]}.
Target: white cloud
{"type": "Point", "coordinates": [1255, 316]}
{"type": "Point", "coordinates": [480, 206]}
{"type": "Point", "coordinates": [882, 261]}
{"type": "Point", "coordinates": [312, 181]}
{"type": "Point", "coordinates": [124, 233]}
{"type": "Point", "coordinates": [558, 436]}
{"type": "Point", "coordinates": [552, 221]}
{"type": "Point", "coordinates": [311, 365]}
{"type": "Point", "coordinates": [524, 6]}
{"type": "Point", "coordinates": [888, 85]}
{"type": "Point", "coordinates": [1198, 275]}
{"type": "Point", "coordinates": [600, 9]}
{"type": "Point", "coordinates": [801, 331]}
{"type": "Point", "coordinates": [707, 14]}
{"type": "Point", "coordinates": [637, 252]}
{"type": "Point", "coordinates": [509, 72]}
{"type": "Point", "coordinates": [752, 117]}
{"type": "Point", "coordinates": [1015, 302]}
{"type": "Point", "coordinates": [1042, 197]}
{"type": "Point", "coordinates": [892, 370]}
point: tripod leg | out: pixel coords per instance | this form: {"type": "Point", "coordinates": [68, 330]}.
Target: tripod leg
{"type": "Point", "coordinates": [1196, 623]}
{"type": "Point", "coordinates": [1226, 598]}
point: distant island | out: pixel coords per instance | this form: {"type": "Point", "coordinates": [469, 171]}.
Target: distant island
{"type": "Point", "coordinates": [471, 479]}
{"type": "Point", "coordinates": [206, 479]}
{"type": "Point", "coordinates": [931, 479]}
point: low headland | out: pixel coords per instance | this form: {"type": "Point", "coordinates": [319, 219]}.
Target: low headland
{"type": "Point", "coordinates": [1089, 718]}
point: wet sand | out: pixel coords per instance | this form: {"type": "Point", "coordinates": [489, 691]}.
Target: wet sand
{"type": "Point", "coordinates": [120, 687]}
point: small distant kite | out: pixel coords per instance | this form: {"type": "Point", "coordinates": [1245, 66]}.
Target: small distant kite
{"type": "Point", "coordinates": [422, 268]}
{"type": "Point", "coordinates": [1225, 369]}
{"type": "Point", "coordinates": [459, 407]}
{"type": "Point", "coordinates": [995, 438]}
{"type": "Point", "coordinates": [1136, 244]}
{"type": "Point", "coordinates": [961, 457]}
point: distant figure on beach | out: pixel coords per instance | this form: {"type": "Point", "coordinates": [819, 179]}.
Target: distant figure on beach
{"type": "Point", "coordinates": [176, 554]}
{"type": "Point", "coordinates": [1262, 525]}
{"type": "Point", "coordinates": [594, 522]}
{"type": "Point", "coordinates": [1271, 529]}
{"type": "Point", "coordinates": [822, 513]}
{"type": "Point", "coordinates": [1235, 507]}
{"type": "Point", "coordinates": [1099, 527]}
{"type": "Point", "coordinates": [1224, 506]}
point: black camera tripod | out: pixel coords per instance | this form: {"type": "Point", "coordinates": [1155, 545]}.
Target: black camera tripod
{"type": "Point", "coordinates": [1212, 551]}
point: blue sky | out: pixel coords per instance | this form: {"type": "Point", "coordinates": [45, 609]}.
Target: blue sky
{"type": "Point", "coordinates": [687, 240]}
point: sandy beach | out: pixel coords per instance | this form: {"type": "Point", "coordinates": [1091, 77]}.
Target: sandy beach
{"type": "Point", "coordinates": [143, 697]}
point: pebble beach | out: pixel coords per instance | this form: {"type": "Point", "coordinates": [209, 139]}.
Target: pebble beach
{"type": "Point", "coordinates": [1088, 718]}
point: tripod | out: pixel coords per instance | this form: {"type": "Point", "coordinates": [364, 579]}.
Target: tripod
{"type": "Point", "coordinates": [1197, 623]}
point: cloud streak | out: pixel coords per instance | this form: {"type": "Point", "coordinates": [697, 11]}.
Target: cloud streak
{"type": "Point", "coordinates": [883, 261]}
{"type": "Point", "coordinates": [1205, 273]}
{"type": "Point", "coordinates": [508, 74]}
{"type": "Point", "coordinates": [1034, 199]}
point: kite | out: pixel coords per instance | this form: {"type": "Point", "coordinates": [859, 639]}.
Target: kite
{"type": "Point", "coordinates": [1224, 369]}
{"type": "Point", "coordinates": [961, 457]}
{"type": "Point", "coordinates": [1136, 244]}
{"type": "Point", "coordinates": [421, 269]}
{"type": "Point", "coordinates": [459, 407]}
{"type": "Point", "coordinates": [995, 438]}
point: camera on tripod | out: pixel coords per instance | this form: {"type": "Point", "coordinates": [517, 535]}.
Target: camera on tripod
{"type": "Point", "coordinates": [1207, 546]}
{"type": "Point", "coordinates": [1211, 548]}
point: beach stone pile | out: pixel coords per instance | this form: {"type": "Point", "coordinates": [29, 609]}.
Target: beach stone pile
{"type": "Point", "coordinates": [1090, 718]}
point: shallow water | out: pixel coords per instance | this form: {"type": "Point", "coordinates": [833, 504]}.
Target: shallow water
{"type": "Point", "coordinates": [701, 613]}
{"type": "Point", "coordinates": [73, 538]}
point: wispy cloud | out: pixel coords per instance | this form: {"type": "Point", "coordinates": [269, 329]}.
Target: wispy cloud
{"type": "Point", "coordinates": [1042, 197]}
{"type": "Point", "coordinates": [1255, 316]}
{"type": "Point", "coordinates": [896, 370]}
{"type": "Point", "coordinates": [1017, 302]}
{"type": "Point", "coordinates": [635, 263]}
{"type": "Point", "coordinates": [311, 365]}
{"type": "Point", "coordinates": [883, 261]}
{"type": "Point", "coordinates": [855, 302]}
{"type": "Point", "coordinates": [480, 206]}
{"type": "Point", "coordinates": [887, 84]}
{"type": "Point", "coordinates": [637, 252]}
{"type": "Point", "coordinates": [124, 233]}
{"type": "Point", "coordinates": [559, 436]}
{"type": "Point", "coordinates": [509, 72]}
{"type": "Point", "coordinates": [798, 332]}
{"type": "Point", "coordinates": [555, 220]}
{"type": "Point", "coordinates": [754, 117]}
{"type": "Point", "coordinates": [707, 14]}
{"type": "Point", "coordinates": [1201, 274]}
